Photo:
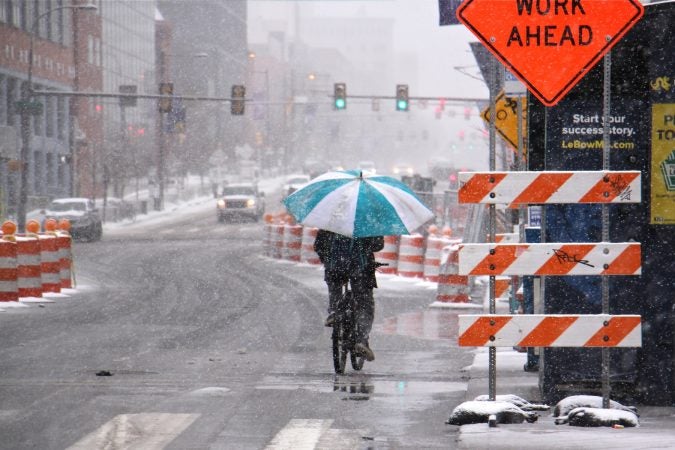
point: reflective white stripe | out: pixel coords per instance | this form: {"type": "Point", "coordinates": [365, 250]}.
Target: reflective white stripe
{"type": "Point", "coordinates": [8, 286]}
{"type": "Point", "coordinates": [341, 204]}
{"type": "Point", "coordinates": [7, 262]}
{"type": "Point", "coordinates": [32, 282]}
{"type": "Point", "coordinates": [299, 434]}
{"type": "Point", "coordinates": [148, 431]}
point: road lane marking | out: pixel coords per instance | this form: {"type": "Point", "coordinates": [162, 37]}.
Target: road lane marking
{"type": "Point", "coordinates": [299, 434]}
{"type": "Point", "coordinates": [149, 431]}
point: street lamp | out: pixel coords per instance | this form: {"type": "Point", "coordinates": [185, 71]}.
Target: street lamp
{"type": "Point", "coordinates": [26, 107]}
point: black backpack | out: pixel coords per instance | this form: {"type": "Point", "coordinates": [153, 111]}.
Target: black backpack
{"type": "Point", "coordinates": [338, 260]}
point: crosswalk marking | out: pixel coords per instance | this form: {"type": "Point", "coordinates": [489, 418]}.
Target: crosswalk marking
{"type": "Point", "coordinates": [149, 431]}
{"type": "Point", "coordinates": [300, 434]}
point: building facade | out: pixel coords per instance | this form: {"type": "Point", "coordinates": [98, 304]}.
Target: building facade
{"type": "Point", "coordinates": [59, 63]}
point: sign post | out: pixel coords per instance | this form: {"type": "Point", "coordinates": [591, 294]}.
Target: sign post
{"type": "Point", "coordinates": [549, 46]}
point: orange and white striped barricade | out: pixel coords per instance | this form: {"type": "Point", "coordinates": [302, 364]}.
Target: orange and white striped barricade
{"type": "Point", "coordinates": [389, 254]}
{"type": "Point", "coordinates": [292, 242]}
{"type": "Point", "coordinates": [507, 238]}
{"type": "Point", "coordinates": [452, 287]}
{"type": "Point", "coordinates": [307, 253]}
{"type": "Point", "coordinates": [411, 256]}
{"type": "Point", "coordinates": [267, 239]}
{"type": "Point", "coordinates": [551, 330]}
{"type": "Point", "coordinates": [50, 265]}
{"type": "Point", "coordinates": [29, 271]}
{"type": "Point", "coordinates": [432, 257]}
{"type": "Point", "coordinates": [502, 286]}
{"type": "Point", "coordinates": [9, 287]}
{"type": "Point", "coordinates": [516, 188]}
{"type": "Point", "coordinates": [550, 259]}
{"type": "Point", "coordinates": [597, 258]}
{"type": "Point", "coordinates": [64, 244]}
{"type": "Point", "coordinates": [277, 240]}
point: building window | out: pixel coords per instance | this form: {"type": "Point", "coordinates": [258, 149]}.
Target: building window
{"type": "Point", "coordinates": [17, 13]}
{"type": "Point", "coordinates": [48, 20]}
{"type": "Point", "coordinates": [90, 49]}
{"type": "Point", "coordinates": [4, 4]}
{"type": "Point", "coordinates": [11, 98]}
{"type": "Point", "coordinates": [49, 116]}
{"type": "Point", "coordinates": [59, 23]}
{"type": "Point", "coordinates": [38, 120]}
{"type": "Point", "coordinates": [3, 102]}
{"type": "Point", "coordinates": [60, 118]}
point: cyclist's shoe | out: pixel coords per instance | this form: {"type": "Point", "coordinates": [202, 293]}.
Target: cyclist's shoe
{"type": "Point", "coordinates": [330, 320]}
{"type": "Point", "coordinates": [365, 351]}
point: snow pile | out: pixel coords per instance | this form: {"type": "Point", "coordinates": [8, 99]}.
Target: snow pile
{"type": "Point", "coordinates": [480, 411]}
{"type": "Point", "coordinates": [587, 411]}
{"type": "Point", "coordinates": [515, 400]}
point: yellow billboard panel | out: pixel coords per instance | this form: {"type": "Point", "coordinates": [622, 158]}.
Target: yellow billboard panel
{"type": "Point", "coordinates": [662, 210]}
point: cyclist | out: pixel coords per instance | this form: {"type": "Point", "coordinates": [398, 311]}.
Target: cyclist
{"type": "Point", "coordinates": [350, 259]}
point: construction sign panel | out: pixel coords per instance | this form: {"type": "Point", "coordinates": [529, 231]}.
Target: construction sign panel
{"type": "Point", "coordinates": [506, 122]}
{"type": "Point", "coordinates": [516, 188]}
{"type": "Point", "coordinates": [549, 45]}
{"type": "Point", "coordinates": [530, 330]}
{"type": "Point", "coordinates": [598, 258]}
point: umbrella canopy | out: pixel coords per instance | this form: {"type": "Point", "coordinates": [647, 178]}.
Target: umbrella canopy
{"type": "Point", "coordinates": [357, 204]}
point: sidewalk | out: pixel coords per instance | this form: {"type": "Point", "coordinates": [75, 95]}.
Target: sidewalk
{"type": "Point", "coordinates": [656, 430]}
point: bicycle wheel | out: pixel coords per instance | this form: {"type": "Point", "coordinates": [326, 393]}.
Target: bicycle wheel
{"type": "Point", "coordinates": [339, 347]}
{"type": "Point", "coordinates": [357, 360]}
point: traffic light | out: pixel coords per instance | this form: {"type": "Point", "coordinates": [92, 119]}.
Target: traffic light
{"type": "Point", "coordinates": [237, 104]}
{"type": "Point", "coordinates": [165, 103]}
{"type": "Point", "coordinates": [402, 103]}
{"type": "Point", "coordinates": [340, 95]}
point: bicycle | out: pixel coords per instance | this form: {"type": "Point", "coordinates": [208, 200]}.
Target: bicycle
{"type": "Point", "coordinates": [346, 330]}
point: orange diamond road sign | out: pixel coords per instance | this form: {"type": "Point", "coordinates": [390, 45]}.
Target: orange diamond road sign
{"type": "Point", "coordinates": [507, 118]}
{"type": "Point", "coordinates": [549, 44]}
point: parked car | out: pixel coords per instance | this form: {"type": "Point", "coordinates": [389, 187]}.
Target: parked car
{"type": "Point", "coordinates": [241, 200]}
{"type": "Point", "coordinates": [85, 222]}
{"type": "Point", "coordinates": [294, 182]}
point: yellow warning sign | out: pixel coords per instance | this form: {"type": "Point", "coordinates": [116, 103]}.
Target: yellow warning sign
{"type": "Point", "coordinates": [507, 118]}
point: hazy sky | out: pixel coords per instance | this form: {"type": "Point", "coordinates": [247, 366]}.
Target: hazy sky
{"type": "Point", "coordinates": [439, 49]}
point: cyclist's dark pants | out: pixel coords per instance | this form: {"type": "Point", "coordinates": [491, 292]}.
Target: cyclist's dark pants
{"type": "Point", "coordinates": [363, 293]}
{"type": "Point", "coordinates": [334, 294]}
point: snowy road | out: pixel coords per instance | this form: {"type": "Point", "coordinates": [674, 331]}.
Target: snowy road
{"type": "Point", "coordinates": [181, 335]}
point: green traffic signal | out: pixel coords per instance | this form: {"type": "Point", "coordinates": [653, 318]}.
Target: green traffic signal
{"type": "Point", "coordinates": [402, 97]}
{"type": "Point", "coordinates": [340, 95]}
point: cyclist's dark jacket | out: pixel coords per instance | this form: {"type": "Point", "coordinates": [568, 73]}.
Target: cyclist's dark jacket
{"type": "Point", "coordinates": [344, 258]}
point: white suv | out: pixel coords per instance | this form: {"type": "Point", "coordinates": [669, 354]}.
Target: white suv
{"type": "Point", "coordinates": [241, 200]}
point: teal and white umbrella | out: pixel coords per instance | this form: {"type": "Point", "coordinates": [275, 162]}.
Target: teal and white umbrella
{"type": "Point", "coordinates": [358, 204]}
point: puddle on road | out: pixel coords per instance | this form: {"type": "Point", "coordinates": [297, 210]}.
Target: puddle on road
{"type": "Point", "coordinates": [364, 387]}
{"type": "Point", "coordinates": [426, 324]}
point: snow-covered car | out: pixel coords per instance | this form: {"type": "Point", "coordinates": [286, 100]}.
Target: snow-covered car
{"type": "Point", "coordinates": [85, 222]}
{"type": "Point", "coordinates": [241, 200]}
{"type": "Point", "coordinates": [295, 182]}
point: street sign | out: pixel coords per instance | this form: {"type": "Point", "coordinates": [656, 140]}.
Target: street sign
{"type": "Point", "coordinates": [165, 103]}
{"type": "Point", "coordinates": [130, 89]}
{"type": "Point", "coordinates": [549, 45]}
{"type": "Point", "coordinates": [506, 122]}
{"type": "Point", "coordinates": [513, 87]}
